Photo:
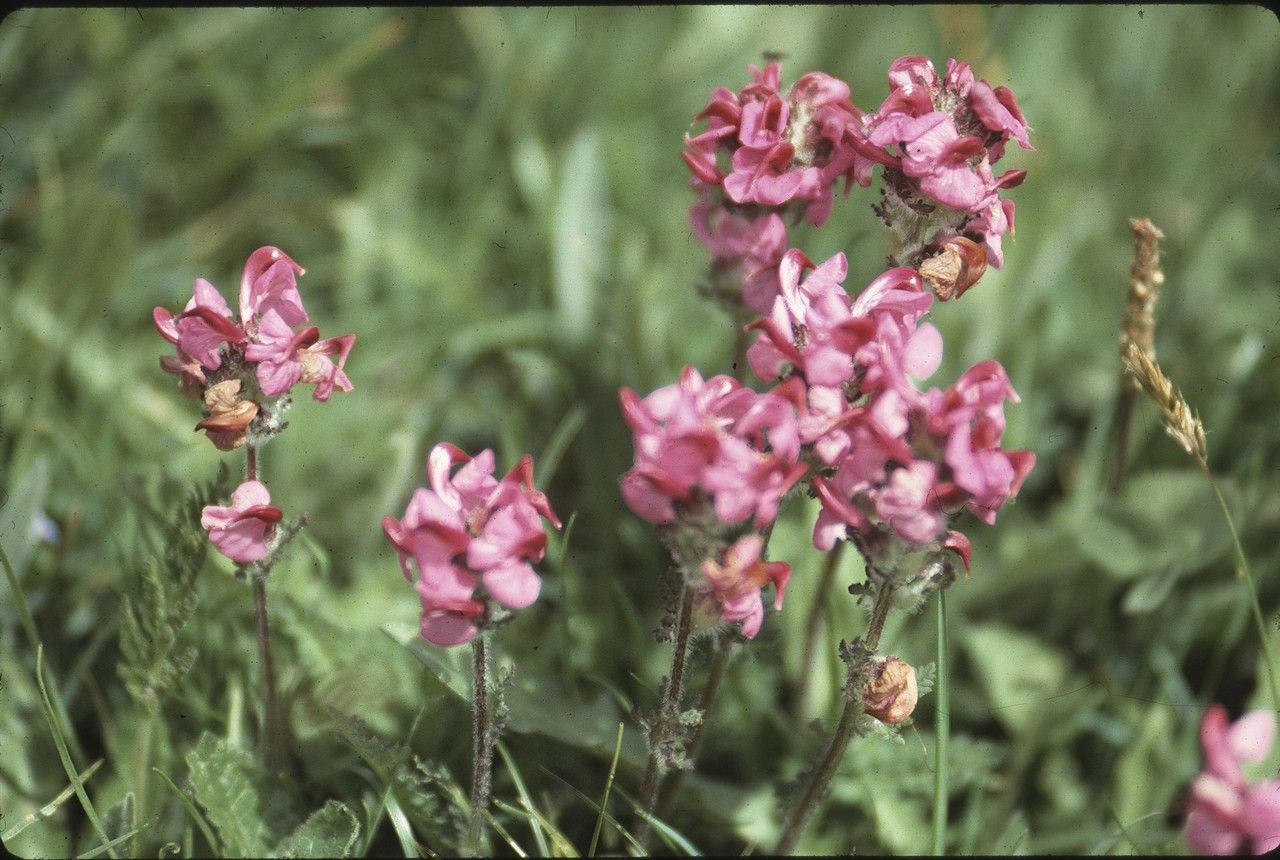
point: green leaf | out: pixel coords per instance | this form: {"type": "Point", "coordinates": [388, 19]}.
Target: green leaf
{"type": "Point", "coordinates": [330, 831]}
{"type": "Point", "coordinates": [1017, 670]}
{"type": "Point", "coordinates": [238, 796]}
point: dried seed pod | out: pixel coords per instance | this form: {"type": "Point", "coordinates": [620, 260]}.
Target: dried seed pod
{"type": "Point", "coordinates": [228, 418]}
{"type": "Point", "coordinates": [957, 266]}
{"type": "Point", "coordinates": [890, 693]}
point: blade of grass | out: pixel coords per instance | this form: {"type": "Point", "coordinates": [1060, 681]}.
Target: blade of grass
{"type": "Point", "coordinates": [404, 830]}
{"type": "Point", "coordinates": [214, 847]}
{"type": "Point", "coordinates": [534, 825]}
{"type": "Point", "coordinates": [1244, 572]}
{"type": "Point", "coordinates": [562, 844]}
{"type": "Point", "coordinates": [942, 731]}
{"type": "Point", "coordinates": [65, 755]}
{"type": "Point", "coordinates": [604, 800]}
{"type": "Point", "coordinates": [94, 852]}
{"type": "Point", "coordinates": [371, 830]}
{"type": "Point", "coordinates": [635, 845]}
{"type": "Point", "coordinates": [506, 837]}
{"type": "Point", "coordinates": [673, 838]}
{"type": "Point", "coordinates": [33, 638]}
{"type": "Point", "coordinates": [561, 437]}
{"type": "Point", "coordinates": [50, 807]}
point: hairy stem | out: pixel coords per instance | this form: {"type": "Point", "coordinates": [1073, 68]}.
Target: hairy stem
{"type": "Point", "coordinates": [482, 744]}
{"type": "Point", "coordinates": [942, 730]}
{"type": "Point", "coordinates": [820, 779]}
{"type": "Point", "coordinates": [814, 622]}
{"type": "Point", "coordinates": [273, 724]}
{"type": "Point", "coordinates": [724, 655]}
{"type": "Point", "coordinates": [668, 720]}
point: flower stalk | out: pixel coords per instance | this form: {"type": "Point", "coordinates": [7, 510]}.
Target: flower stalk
{"type": "Point", "coordinates": [663, 733]}
{"type": "Point", "coordinates": [482, 745]}
{"type": "Point", "coordinates": [273, 723]}
{"type": "Point", "coordinates": [858, 657]}
{"type": "Point", "coordinates": [725, 649]}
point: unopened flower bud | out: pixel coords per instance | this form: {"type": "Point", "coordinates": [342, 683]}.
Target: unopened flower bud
{"type": "Point", "coordinates": [890, 693]}
{"type": "Point", "coordinates": [228, 418]}
{"type": "Point", "coordinates": [955, 268]}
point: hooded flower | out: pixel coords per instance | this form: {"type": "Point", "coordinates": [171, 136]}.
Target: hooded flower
{"type": "Point", "coordinates": [285, 358]}
{"type": "Point", "coordinates": [270, 308]}
{"type": "Point", "coordinates": [735, 584]}
{"type": "Point", "coordinates": [943, 138]}
{"type": "Point", "coordinates": [240, 532]}
{"type": "Point", "coordinates": [1228, 814]}
{"type": "Point", "coordinates": [466, 531]}
{"type": "Point", "coordinates": [713, 437]}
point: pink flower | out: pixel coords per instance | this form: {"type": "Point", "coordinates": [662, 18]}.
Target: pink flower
{"type": "Point", "coordinates": [999, 111]}
{"type": "Point", "coordinates": [971, 417]}
{"type": "Point", "coordinates": [779, 149]}
{"type": "Point", "coordinates": [907, 503]}
{"type": "Point", "coordinates": [753, 247]}
{"type": "Point", "coordinates": [735, 585]}
{"type": "Point", "coordinates": [240, 532]}
{"type": "Point", "coordinates": [269, 283]}
{"type": "Point", "coordinates": [1227, 813]}
{"type": "Point", "coordinates": [270, 306]}
{"type": "Point", "coordinates": [203, 326]}
{"type": "Point", "coordinates": [466, 531]}
{"type": "Point", "coordinates": [285, 358]}
{"type": "Point", "coordinates": [730, 443]}
{"type": "Point", "coordinates": [944, 136]}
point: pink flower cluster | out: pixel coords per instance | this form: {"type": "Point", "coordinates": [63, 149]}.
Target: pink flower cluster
{"type": "Point", "coordinates": [762, 154]}
{"type": "Point", "coordinates": [266, 334]}
{"type": "Point", "coordinates": [896, 457]}
{"type": "Point", "coordinates": [717, 447]}
{"type": "Point", "coordinates": [944, 136]}
{"type": "Point", "coordinates": [713, 439]}
{"type": "Point", "coordinates": [242, 531]}
{"type": "Point", "coordinates": [471, 538]}
{"type": "Point", "coordinates": [1228, 814]}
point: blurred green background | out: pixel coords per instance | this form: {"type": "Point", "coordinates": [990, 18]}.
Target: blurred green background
{"type": "Point", "coordinates": [493, 201]}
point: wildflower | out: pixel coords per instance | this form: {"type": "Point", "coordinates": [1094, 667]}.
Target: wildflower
{"type": "Point", "coordinates": [240, 532]}
{"type": "Point", "coordinates": [285, 358]}
{"type": "Point", "coordinates": [269, 282]}
{"type": "Point", "coordinates": [711, 438]}
{"type": "Point", "coordinates": [466, 531]}
{"type": "Point", "coordinates": [263, 336]}
{"type": "Point", "coordinates": [748, 249]}
{"type": "Point", "coordinates": [734, 586]}
{"type": "Point", "coordinates": [205, 324]}
{"type": "Point", "coordinates": [944, 137]}
{"type": "Point", "coordinates": [1228, 814]}
{"type": "Point", "coordinates": [764, 156]}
